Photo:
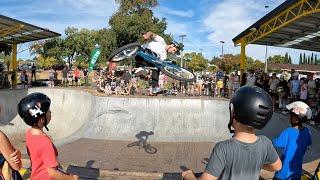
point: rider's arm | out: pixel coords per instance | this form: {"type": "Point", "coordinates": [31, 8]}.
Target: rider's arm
{"type": "Point", "coordinates": [149, 35]}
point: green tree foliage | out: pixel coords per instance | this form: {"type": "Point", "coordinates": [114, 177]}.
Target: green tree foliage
{"type": "Point", "coordinates": [279, 59]}
{"type": "Point", "coordinates": [300, 59]}
{"type": "Point", "coordinates": [196, 61]}
{"type": "Point", "coordinates": [47, 62]}
{"type": "Point", "coordinates": [232, 63]}
{"type": "Point", "coordinates": [289, 60]}
{"type": "Point", "coordinates": [133, 19]}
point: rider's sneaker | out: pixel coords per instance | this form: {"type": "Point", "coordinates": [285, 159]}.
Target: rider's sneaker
{"type": "Point", "coordinates": [141, 71]}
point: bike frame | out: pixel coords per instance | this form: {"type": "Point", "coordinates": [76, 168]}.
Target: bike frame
{"type": "Point", "coordinates": [150, 58]}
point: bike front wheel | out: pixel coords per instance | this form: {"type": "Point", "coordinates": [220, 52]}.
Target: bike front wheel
{"type": "Point", "coordinates": [124, 52]}
{"type": "Point", "coordinates": [177, 72]}
{"type": "Point", "coordinates": [151, 150]}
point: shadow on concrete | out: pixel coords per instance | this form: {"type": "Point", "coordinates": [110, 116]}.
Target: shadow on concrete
{"type": "Point", "coordinates": [86, 172]}
{"type": "Point", "coordinates": [142, 137]}
{"type": "Point", "coordinates": [10, 98]}
{"type": "Point", "coordinates": [279, 122]}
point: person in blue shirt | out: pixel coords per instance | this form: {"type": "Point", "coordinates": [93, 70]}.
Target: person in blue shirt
{"type": "Point", "coordinates": [294, 141]}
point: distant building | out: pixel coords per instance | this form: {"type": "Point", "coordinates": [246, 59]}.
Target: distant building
{"type": "Point", "coordinates": [301, 68]}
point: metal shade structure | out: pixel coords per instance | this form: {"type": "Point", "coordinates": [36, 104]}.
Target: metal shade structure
{"type": "Point", "coordinates": [13, 31]}
{"type": "Point", "coordinates": [293, 24]}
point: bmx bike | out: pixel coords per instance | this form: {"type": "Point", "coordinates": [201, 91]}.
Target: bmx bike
{"type": "Point", "coordinates": [169, 68]}
{"type": "Point", "coordinates": [147, 147]}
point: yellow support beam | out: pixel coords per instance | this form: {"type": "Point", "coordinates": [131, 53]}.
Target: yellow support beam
{"type": "Point", "coordinates": [14, 64]}
{"type": "Point", "coordinates": [296, 11]}
{"type": "Point", "coordinates": [7, 31]}
{"type": "Point", "coordinates": [243, 60]}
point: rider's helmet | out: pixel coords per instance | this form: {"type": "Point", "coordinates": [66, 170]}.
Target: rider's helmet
{"type": "Point", "coordinates": [176, 45]}
{"type": "Point", "coordinates": [33, 107]}
{"type": "Point", "coordinates": [251, 106]}
{"type": "Point", "coordinates": [300, 110]}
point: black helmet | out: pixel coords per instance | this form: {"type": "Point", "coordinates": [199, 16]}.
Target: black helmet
{"type": "Point", "coordinates": [252, 106]}
{"type": "Point", "coordinates": [175, 44]}
{"type": "Point", "coordinates": [32, 107]}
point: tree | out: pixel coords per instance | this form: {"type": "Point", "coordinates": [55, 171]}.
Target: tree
{"type": "Point", "coordinates": [197, 62]}
{"type": "Point", "coordinates": [308, 61]}
{"type": "Point", "coordinates": [312, 59]}
{"type": "Point", "coordinates": [277, 59]}
{"type": "Point", "coordinates": [300, 59]}
{"type": "Point", "coordinates": [133, 19]}
{"type": "Point", "coordinates": [289, 60]}
{"type": "Point", "coordinates": [304, 58]}
{"type": "Point", "coordinates": [286, 58]}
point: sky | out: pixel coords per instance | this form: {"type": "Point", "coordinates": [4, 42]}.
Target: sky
{"type": "Point", "coordinates": [204, 22]}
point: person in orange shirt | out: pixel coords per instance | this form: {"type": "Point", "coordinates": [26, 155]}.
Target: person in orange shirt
{"type": "Point", "coordinates": [34, 109]}
{"type": "Point", "coordinates": [76, 75]}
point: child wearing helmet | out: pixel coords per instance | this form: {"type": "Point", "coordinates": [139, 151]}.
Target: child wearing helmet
{"type": "Point", "coordinates": [34, 109]}
{"type": "Point", "coordinates": [243, 156]}
{"type": "Point", "coordinates": [294, 141]}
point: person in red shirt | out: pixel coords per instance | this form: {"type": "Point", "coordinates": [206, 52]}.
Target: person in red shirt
{"type": "Point", "coordinates": [34, 109]}
{"type": "Point", "coordinates": [76, 74]}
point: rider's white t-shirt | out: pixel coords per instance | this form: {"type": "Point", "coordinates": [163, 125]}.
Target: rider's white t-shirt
{"type": "Point", "coordinates": [158, 46]}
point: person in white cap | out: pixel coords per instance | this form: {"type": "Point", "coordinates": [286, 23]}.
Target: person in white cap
{"type": "Point", "coordinates": [294, 141]}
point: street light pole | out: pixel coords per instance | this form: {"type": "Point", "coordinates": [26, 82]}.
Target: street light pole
{"type": "Point", "coordinates": [266, 58]}
{"type": "Point", "coordinates": [182, 36]}
{"type": "Point", "coordinates": [222, 55]}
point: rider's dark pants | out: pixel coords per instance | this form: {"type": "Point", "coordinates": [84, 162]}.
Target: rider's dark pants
{"type": "Point", "coordinates": [140, 62]}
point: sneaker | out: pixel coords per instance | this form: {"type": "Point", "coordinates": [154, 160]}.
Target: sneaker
{"type": "Point", "coordinates": [138, 70]}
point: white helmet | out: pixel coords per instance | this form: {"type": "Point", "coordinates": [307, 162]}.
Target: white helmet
{"type": "Point", "coordinates": [301, 109]}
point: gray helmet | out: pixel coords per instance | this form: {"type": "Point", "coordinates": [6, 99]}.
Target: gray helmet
{"type": "Point", "coordinates": [251, 106]}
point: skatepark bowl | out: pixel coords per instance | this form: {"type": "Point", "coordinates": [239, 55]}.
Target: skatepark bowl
{"type": "Point", "coordinates": [88, 128]}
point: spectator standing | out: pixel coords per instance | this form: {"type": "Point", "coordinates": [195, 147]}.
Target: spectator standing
{"type": "Point", "coordinates": [34, 109]}
{"type": "Point", "coordinates": [85, 76]}
{"type": "Point", "coordinates": [251, 79]}
{"type": "Point", "coordinates": [24, 79]}
{"type": "Point", "coordinates": [33, 72]}
{"type": "Point", "coordinates": [236, 82]}
{"type": "Point", "coordinates": [76, 75]}
{"type": "Point", "coordinates": [273, 85]}
{"type": "Point", "coordinates": [311, 89]}
{"type": "Point", "coordinates": [243, 156]}
{"type": "Point", "coordinates": [283, 91]}
{"type": "Point", "coordinates": [304, 90]}
{"type": "Point", "coordinates": [51, 77]}
{"type": "Point", "coordinates": [220, 87]}
{"type": "Point", "coordinates": [295, 87]}
{"type": "Point", "coordinates": [64, 80]}
{"type": "Point", "coordinates": [55, 77]}
{"type": "Point", "coordinates": [294, 141]}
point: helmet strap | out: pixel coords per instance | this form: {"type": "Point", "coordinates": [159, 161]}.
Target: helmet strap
{"type": "Point", "coordinates": [232, 131]}
{"type": "Point", "coordinates": [45, 123]}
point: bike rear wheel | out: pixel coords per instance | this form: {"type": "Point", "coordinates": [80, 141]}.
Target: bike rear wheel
{"type": "Point", "coordinates": [177, 72]}
{"type": "Point", "coordinates": [124, 52]}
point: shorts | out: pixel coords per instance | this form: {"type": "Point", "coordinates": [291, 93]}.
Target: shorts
{"type": "Point", "coordinates": [76, 79]}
